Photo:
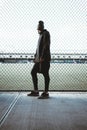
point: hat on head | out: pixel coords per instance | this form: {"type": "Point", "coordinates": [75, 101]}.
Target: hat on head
{"type": "Point", "coordinates": [40, 25]}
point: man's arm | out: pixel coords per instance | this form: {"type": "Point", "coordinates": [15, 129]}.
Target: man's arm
{"type": "Point", "coordinates": [46, 44]}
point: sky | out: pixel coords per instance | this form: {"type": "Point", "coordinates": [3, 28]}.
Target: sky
{"type": "Point", "coordinates": [66, 20]}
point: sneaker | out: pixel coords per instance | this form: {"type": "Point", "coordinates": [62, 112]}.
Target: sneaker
{"type": "Point", "coordinates": [44, 96]}
{"type": "Point", "coordinates": [33, 93]}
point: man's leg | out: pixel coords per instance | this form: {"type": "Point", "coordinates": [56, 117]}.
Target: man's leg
{"type": "Point", "coordinates": [47, 81]}
{"type": "Point", "coordinates": [35, 80]}
{"type": "Point", "coordinates": [45, 72]}
{"type": "Point", "coordinates": [34, 77]}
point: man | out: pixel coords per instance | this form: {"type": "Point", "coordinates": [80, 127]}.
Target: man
{"type": "Point", "coordinates": [42, 61]}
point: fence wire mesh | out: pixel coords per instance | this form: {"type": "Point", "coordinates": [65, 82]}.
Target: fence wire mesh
{"type": "Point", "coordinates": [67, 26]}
{"type": "Point", "coordinates": [63, 76]}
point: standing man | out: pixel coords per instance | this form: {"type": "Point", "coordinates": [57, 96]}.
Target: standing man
{"type": "Point", "coordinates": [41, 61]}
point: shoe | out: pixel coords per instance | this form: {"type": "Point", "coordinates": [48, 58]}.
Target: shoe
{"type": "Point", "coordinates": [44, 96]}
{"type": "Point", "coordinates": [33, 93]}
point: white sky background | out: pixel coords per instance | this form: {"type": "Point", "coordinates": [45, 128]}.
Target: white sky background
{"type": "Point", "coordinates": [64, 19]}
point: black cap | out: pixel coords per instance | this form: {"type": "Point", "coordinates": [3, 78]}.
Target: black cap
{"type": "Point", "coordinates": [40, 25]}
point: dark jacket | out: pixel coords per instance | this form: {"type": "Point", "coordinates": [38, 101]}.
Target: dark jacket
{"type": "Point", "coordinates": [44, 47]}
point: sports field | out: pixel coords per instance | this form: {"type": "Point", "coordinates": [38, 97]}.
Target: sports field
{"type": "Point", "coordinates": [62, 77]}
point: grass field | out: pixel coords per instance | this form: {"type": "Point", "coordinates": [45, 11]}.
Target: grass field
{"type": "Point", "coordinates": [63, 77]}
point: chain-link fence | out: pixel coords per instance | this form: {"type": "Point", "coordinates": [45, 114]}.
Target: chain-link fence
{"type": "Point", "coordinates": [66, 22]}
{"type": "Point", "coordinates": [70, 74]}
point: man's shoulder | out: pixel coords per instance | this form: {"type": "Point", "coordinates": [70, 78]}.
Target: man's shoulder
{"type": "Point", "coordinates": [46, 32]}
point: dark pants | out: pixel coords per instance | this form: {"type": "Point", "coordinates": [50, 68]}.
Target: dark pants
{"type": "Point", "coordinates": [42, 68]}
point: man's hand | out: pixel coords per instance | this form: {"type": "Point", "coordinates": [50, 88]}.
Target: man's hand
{"type": "Point", "coordinates": [34, 61]}
{"type": "Point", "coordinates": [41, 60]}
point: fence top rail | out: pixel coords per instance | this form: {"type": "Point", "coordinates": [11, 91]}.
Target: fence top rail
{"type": "Point", "coordinates": [53, 56]}
{"type": "Point", "coordinates": [2, 53]}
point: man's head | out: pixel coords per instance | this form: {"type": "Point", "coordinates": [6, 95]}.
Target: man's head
{"type": "Point", "coordinates": [40, 27]}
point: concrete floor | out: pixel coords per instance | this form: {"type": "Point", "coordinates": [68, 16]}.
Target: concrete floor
{"type": "Point", "coordinates": [62, 111]}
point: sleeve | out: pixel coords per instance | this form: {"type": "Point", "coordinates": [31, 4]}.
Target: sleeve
{"type": "Point", "coordinates": [46, 43]}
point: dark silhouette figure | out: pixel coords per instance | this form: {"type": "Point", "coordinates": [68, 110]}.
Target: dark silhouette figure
{"type": "Point", "coordinates": [41, 61]}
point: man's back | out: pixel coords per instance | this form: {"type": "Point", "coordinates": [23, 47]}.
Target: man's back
{"type": "Point", "coordinates": [44, 47]}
